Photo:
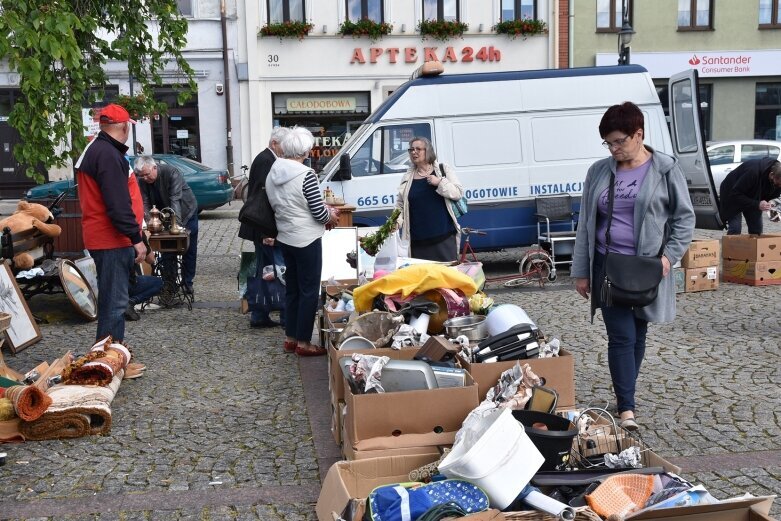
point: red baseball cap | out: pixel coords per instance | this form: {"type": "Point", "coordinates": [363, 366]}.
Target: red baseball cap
{"type": "Point", "coordinates": [113, 113]}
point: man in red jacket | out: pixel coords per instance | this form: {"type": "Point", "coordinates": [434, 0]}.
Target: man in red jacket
{"type": "Point", "coordinates": [107, 192]}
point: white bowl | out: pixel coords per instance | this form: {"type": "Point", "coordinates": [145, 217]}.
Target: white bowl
{"type": "Point", "coordinates": [356, 342]}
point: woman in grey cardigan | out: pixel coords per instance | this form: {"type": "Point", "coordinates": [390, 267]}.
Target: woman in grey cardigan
{"type": "Point", "coordinates": [651, 205]}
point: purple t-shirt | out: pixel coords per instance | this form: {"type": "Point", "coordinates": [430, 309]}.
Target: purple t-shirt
{"type": "Point", "coordinates": [622, 231]}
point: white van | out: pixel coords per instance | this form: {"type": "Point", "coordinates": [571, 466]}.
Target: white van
{"type": "Point", "coordinates": [514, 136]}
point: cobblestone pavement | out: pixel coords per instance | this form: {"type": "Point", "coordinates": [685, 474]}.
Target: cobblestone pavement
{"type": "Point", "coordinates": [223, 425]}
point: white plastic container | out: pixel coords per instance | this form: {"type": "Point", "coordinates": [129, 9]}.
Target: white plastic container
{"type": "Point", "coordinates": [501, 461]}
{"type": "Point", "coordinates": [502, 318]}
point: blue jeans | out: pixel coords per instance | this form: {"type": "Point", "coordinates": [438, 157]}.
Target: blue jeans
{"type": "Point", "coordinates": [144, 288]}
{"type": "Point", "coordinates": [302, 289]}
{"type": "Point", "coordinates": [114, 267]}
{"type": "Point", "coordinates": [753, 221]}
{"type": "Point", "coordinates": [189, 258]}
{"type": "Point", "coordinates": [625, 343]}
{"type": "Point", "coordinates": [264, 256]}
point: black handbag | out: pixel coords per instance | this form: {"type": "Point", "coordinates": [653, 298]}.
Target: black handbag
{"type": "Point", "coordinates": [630, 280]}
{"type": "Point", "coordinates": [258, 213]}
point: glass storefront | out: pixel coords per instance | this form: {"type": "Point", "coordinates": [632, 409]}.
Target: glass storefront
{"type": "Point", "coordinates": [331, 117]}
{"type": "Point", "coordinates": [767, 121]}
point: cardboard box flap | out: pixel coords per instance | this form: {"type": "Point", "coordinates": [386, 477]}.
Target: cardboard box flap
{"type": "Point", "coordinates": [356, 479]}
{"type": "Point", "coordinates": [737, 510]}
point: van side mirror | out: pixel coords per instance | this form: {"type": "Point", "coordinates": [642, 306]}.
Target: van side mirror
{"type": "Point", "coordinates": [345, 172]}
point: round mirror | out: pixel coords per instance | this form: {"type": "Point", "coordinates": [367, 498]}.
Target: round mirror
{"type": "Point", "coordinates": [78, 289]}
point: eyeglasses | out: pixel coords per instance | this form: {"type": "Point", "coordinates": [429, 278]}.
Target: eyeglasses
{"type": "Point", "coordinates": [415, 149]}
{"type": "Point", "coordinates": [616, 144]}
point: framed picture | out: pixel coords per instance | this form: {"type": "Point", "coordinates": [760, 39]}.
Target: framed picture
{"type": "Point", "coordinates": [88, 269]}
{"type": "Point", "coordinates": [23, 330]}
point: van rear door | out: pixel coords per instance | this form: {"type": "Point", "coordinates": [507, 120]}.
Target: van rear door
{"type": "Point", "coordinates": [689, 148]}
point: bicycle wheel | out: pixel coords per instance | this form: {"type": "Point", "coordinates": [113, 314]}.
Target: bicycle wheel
{"type": "Point", "coordinates": [537, 265]}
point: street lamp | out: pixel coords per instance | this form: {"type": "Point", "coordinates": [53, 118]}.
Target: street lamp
{"type": "Point", "coordinates": [624, 38]}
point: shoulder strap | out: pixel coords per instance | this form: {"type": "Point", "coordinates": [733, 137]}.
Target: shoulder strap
{"type": "Point", "coordinates": [442, 169]}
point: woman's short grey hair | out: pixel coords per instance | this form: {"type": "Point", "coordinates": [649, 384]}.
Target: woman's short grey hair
{"type": "Point", "coordinates": [278, 134]}
{"type": "Point", "coordinates": [297, 143]}
{"type": "Point", "coordinates": [431, 156]}
{"type": "Point", "coordinates": [143, 162]}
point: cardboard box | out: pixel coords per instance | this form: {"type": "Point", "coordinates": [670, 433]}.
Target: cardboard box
{"type": "Point", "coordinates": [558, 372]}
{"type": "Point", "coordinates": [397, 414]}
{"type": "Point", "coordinates": [763, 273]}
{"type": "Point", "coordinates": [753, 509]}
{"type": "Point", "coordinates": [702, 279]}
{"type": "Point", "coordinates": [409, 445]}
{"type": "Point", "coordinates": [679, 275]}
{"type": "Point", "coordinates": [347, 481]}
{"type": "Point", "coordinates": [751, 247]}
{"type": "Point", "coordinates": [702, 253]}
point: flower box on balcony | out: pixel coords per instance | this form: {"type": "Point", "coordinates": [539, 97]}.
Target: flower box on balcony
{"type": "Point", "coordinates": [289, 29]}
{"type": "Point", "coordinates": [521, 28]}
{"type": "Point", "coordinates": [442, 30]}
{"type": "Point", "coordinates": [365, 27]}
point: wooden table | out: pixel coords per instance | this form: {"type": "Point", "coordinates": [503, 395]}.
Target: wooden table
{"type": "Point", "coordinates": [175, 245]}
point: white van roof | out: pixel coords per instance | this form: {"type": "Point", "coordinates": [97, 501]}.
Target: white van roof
{"type": "Point", "coordinates": [514, 91]}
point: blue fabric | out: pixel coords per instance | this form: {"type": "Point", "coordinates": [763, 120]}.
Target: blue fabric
{"type": "Point", "coordinates": [428, 215]}
{"type": "Point", "coordinates": [753, 221]}
{"type": "Point", "coordinates": [265, 256]}
{"type": "Point", "coordinates": [190, 257]}
{"type": "Point", "coordinates": [114, 267]}
{"type": "Point", "coordinates": [405, 502]}
{"type": "Point", "coordinates": [144, 288]}
{"type": "Point", "coordinates": [302, 288]}
{"type": "Point", "coordinates": [625, 344]}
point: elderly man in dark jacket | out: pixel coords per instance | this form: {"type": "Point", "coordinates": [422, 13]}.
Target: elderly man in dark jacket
{"type": "Point", "coordinates": [747, 192]}
{"type": "Point", "coordinates": [265, 251]}
{"type": "Point", "coordinates": [164, 186]}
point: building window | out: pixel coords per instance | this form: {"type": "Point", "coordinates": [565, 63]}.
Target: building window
{"type": "Point", "coordinates": [767, 119]}
{"type": "Point", "coordinates": [695, 15]}
{"type": "Point", "coordinates": [360, 9]}
{"type": "Point", "coordinates": [518, 10]}
{"type": "Point", "coordinates": [609, 15]}
{"type": "Point", "coordinates": [768, 14]}
{"type": "Point", "coordinates": [285, 11]}
{"type": "Point", "coordinates": [185, 7]}
{"type": "Point", "coordinates": [441, 10]}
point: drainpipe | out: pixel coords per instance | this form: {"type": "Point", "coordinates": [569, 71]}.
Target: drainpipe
{"type": "Point", "coordinates": [226, 79]}
{"type": "Point", "coordinates": [571, 33]}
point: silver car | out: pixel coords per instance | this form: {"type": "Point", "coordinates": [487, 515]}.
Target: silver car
{"type": "Point", "coordinates": [725, 156]}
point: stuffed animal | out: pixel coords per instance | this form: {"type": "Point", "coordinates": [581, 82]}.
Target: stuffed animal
{"type": "Point", "coordinates": [29, 216]}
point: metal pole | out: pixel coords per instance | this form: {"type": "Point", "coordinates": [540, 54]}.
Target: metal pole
{"type": "Point", "coordinates": [130, 80]}
{"type": "Point", "coordinates": [226, 79]}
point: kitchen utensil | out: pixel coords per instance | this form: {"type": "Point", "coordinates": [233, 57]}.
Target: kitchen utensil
{"type": "Point", "coordinates": [473, 327]}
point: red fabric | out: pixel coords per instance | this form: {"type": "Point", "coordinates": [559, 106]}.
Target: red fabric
{"type": "Point", "coordinates": [98, 231]}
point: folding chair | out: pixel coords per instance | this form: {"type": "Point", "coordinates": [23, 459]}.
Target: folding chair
{"type": "Point", "coordinates": [556, 224]}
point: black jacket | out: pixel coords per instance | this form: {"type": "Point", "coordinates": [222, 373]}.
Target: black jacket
{"type": "Point", "coordinates": [258, 173]}
{"type": "Point", "coordinates": [175, 193]}
{"type": "Point", "coordinates": [746, 186]}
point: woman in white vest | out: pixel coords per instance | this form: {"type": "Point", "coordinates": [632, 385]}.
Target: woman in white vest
{"type": "Point", "coordinates": [301, 216]}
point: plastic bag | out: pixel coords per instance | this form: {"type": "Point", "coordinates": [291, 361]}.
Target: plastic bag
{"type": "Point", "coordinates": [388, 254]}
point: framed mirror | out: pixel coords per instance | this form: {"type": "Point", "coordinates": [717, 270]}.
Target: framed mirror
{"type": "Point", "coordinates": [78, 289]}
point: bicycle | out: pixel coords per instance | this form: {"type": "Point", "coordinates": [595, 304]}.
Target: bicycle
{"type": "Point", "coordinates": [241, 184]}
{"type": "Point", "coordinates": [534, 266]}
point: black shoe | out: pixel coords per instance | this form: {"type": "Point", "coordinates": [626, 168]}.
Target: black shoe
{"type": "Point", "coordinates": [263, 323]}
{"type": "Point", "coordinates": [131, 313]}
{"type": "Point", "coordinates": [188, 290]}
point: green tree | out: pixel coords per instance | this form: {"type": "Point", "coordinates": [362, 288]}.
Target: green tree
{"type": "Point", "coordinates": [59, 49]}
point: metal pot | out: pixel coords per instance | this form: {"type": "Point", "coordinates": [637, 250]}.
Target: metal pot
{"type": "Point", "coordinates": [473, 327]}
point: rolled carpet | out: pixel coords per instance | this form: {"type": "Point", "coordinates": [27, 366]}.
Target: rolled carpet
{"type": "Point", "coordinates": [76, 410]}
{"type": "Point", "coordinates": [29, 401]}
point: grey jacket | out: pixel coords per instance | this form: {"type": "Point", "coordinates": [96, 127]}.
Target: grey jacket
{"type": "Point", "coordinates": [174, 190]}
{"type": "Point", "coordinates": [663, 200]}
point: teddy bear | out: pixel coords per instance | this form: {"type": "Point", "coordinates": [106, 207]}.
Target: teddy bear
{"type": "Point", "coordinates": [29, 216]}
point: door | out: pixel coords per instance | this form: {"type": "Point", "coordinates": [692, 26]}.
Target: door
{"type": "Point", "coordinates": [689, 148]}
{"type": "Point", "coordinates": [177, 133]}
{"type": "Point", "coordinates": [13, 179]}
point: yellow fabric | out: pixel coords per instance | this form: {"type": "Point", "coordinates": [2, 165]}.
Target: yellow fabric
{"type": "Point", "coordinates": [417, 278]}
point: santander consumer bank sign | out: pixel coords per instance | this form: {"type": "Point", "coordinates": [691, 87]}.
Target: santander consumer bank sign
{"type": "Point", "coordinates": [707, 63]}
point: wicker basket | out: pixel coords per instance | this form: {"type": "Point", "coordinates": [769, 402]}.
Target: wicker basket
{"type": "Point", "coordinates": [581, 514]}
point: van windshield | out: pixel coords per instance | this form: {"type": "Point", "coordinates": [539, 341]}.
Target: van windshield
{"type": "Point", "coordinates": [385, 150]}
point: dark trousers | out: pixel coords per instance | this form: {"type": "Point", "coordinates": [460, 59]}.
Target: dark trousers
{"type": "Point", "coordinates": [114, 267]}
{"type": "Point", "coordinates": [753, 221]}
{"type": "Point", "coordinates": [625, 343]}
{"type": "Point", "coordinates": [302, 278]}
